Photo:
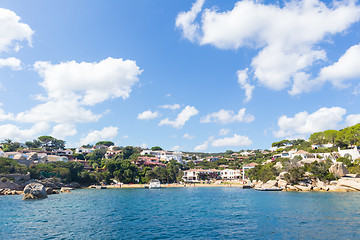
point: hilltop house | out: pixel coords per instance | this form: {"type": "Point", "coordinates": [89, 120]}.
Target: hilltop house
{"type": "Point", "coordinates": [349, 153]}
{"type": "Point", "coordinates": [164, 155]}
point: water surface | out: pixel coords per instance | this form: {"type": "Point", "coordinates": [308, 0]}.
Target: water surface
{"type": "Point", "coordinates": [182, 213]}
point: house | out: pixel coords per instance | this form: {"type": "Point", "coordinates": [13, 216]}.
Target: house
{"type": "Point", "coordinates": [149, 161]}
{"type": "Point", "coordinates": [212, 159]}
{"type": "Point", "coordinates": [303, 154]}
{"type": "Point", "coordinates": [164, 155]}
{"type": "Point", "coordinates": [349, 153]}
{"type": "Point", "coordinates": [250, 165]}
{"type": "Point", "coordinates": [192, 175]}
{"type": "Point", "coordinates": [230, 174]}
{"type": "Point", "coordinates": [100, 147]}
{"type": "Point", "coordinates": [84, 150]}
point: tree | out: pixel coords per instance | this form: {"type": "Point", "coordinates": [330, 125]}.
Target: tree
{"type": "Point", "coordinates": [106, 143]}
{"type": "Point", "coordinates": [127, 152]}
{"type": "Point", "coordinates": [156, 148]}
{"type": "Point", "coordinates": [51, 143]}
{"type": "Point", "coordinates": [317, 138]}
{"type": "Point", "coordinates": [330, 136]}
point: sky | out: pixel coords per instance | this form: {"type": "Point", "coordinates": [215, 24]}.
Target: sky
{"type": "Point", "coordinates": [205, 75]}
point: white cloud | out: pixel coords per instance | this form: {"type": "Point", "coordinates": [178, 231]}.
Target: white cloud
{"type": "Point", "coordinates": [185, 21]}
{"type": "Point", "coordinates": [228, 116]}
{"type": "Point", "coordinates": [64, 111]}
{"type": "Point", "coordinates": [90, 83]}
{"type": "Point", "coordinates": [224, 131]}
{"type": "Point", "coordinates": [126, 136]}
{"type": "Point", "coordinates": [5, 116]}
{"type": "Point", "coordinates": [188, 136]}
{"type": "Point", "coordinates": [62, 131]}
{"type": "Point", "coordinates": [201, 147]}
{"type": "Point", "coordinates": [144, 145]}
{"type": "Point", "coordinates": [175, 148]}
{"type": "Point", "coordinates": [182, 117]}
{"type": "Point", "coordinates": [72, 87]}
{"type": "Point", "coordinates": [11, 62]}
{"type": "Point", "coordinates": [305, 123]}
{"type": "Point", "coordinates": [12, 31]}
{"type": "Point", "coordinates": [245, 84]}
{"type": "Point", "coordinates": [352, 119]}
{"type": "Point", "coordinates": [286, 36]}
{"type": "Point", "coordinates": [147, 115]}
{"type": "Point", "coordinates": [107, 133]}
{"type": "Point", "coordinates": [346, 68]}
{"type": "Point", "coordinates": [171, 106]}
{"type": "Point", "coordinates": [15, 133]}
{"type": "Point", "coordinates": [236, 140]}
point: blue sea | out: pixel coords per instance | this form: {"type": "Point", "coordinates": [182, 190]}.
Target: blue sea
{"type": "Point", "coordinates": [182, 213]}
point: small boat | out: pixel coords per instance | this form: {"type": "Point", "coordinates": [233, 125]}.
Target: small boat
{"type": "Point", "coordinates": [154, 183]}
{"type": "Point", "coordinates": [268, 189]}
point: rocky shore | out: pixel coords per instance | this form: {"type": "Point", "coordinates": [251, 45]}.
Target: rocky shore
{"type": "Point", "coordinates": [34, 189]}
{"type": "Point", "coordinates": [346, 182]}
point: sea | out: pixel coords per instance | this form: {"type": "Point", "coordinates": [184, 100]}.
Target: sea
{"type": "Point", "coordinates": [182, 213]}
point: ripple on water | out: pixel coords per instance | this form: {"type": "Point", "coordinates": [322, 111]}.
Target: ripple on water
{"type": "Point", "coordinates": [181, 213]}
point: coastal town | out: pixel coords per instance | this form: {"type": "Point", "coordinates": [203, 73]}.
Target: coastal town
{"type": "Point", "coordinates": [285, 166]}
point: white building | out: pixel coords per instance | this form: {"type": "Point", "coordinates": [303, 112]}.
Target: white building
{"type": "Point", "coordinates": [164, 155]}
{"type": "Point", "coordinates": [230, 174]}
{"type": "Point", "coordinates": [84, 150]}
{"type": "Point", "coordinates": [349, 153]}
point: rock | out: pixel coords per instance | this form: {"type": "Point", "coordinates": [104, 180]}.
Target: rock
{"type": "Point", "coordinates": [50, 191]}
{"type": "Point", "coordinates": [258, 184]}
{"type": "Point", "coordinates": [303, 188]}
{"type": "Point", "coordinates": [338, 189]}
{"type": "Point", "coordinates": [291, 188]}
{"type": "Point", "coordinates": [65, 190]}
{"type": "Point", "coordinates": [353, 183]}
{"type": "Point", "coordinates": [73, 185]}
{"type": "Point", "coordinates": [10, 185]}
{"type": "Point", "coordinates": [278, 166]}
{"type": "Point", "coordinates": [338, 169]}
{"type": "Point", "coordinates": [321, 185]}
{"type": "Point", "coordinates": [333, 183]}
{"type": "Point", "coordinates": [34, 190]}
{"type": "Point", "coordinates": [308, 161]}
{"type": "Point", "coordinates": [282, 175]}
{"type": "Point", "coordinates": [270, 184]}
{"type": "Point", "coordinates": [282, 183]}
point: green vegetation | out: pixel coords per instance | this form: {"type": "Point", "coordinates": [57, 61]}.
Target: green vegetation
{"type": "Point", "coordinates": [105, 143]}
{"type": "Point", "coordinates": [11, 166]}
{"type": "Point", "coordinates": [263, 173]}
{"type": "Point", "coordinates": [156, 148]}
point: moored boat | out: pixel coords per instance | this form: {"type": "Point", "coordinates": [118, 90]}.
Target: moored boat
{"type": "Point", "coordinates": [268, 189]}
{"type": "Point", "coordinates": [154, 183]}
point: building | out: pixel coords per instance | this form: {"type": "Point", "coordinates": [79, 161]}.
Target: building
{"type": "Point", "coordinates": [149, 161]}
{"type": "Point", "coordinates": [84, 150]}
{"type": "Point", "coordinates": [349, 153]}
{"type": "Point", "coordinates": [231, 174]}
{"type": "Point", "coordinates": [164, 155]}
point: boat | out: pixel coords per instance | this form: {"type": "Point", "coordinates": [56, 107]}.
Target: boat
{"type": "Point", "coordinates": [154, 183]}
{"type": "Point", "coordinates": [268, 189]}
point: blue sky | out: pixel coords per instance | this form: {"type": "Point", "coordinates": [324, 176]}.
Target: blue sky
{"type": "Point", "coordinates": [185, 75]}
